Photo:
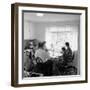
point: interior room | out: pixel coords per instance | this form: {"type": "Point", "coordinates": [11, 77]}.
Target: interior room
{"type": "Point", "coordinates": [55, 30]}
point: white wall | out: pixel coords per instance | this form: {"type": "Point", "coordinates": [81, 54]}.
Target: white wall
{"type": "Point", "coordinates": [28, 30]}
{"type": "Point", "coordinates": [37, 30]}
{"type": "Point", "coordinates": [5, 45]}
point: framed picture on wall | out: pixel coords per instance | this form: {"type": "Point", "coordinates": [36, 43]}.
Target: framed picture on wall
{"type": "Point", "coordinates": [48, 44]}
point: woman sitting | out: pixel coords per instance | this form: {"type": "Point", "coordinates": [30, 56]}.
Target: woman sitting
{"type": "Point", "coordinates": [44, 65]}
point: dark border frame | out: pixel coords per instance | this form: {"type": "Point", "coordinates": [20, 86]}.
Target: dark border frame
{"type": "Point", "coordinates": [14, 43]}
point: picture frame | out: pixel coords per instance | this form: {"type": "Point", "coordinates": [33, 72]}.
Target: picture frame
{"type": "Point", "coordinates": [19, 37]}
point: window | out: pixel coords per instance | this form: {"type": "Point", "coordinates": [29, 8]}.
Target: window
{"type": "Point", "coordinates": [57, 36]}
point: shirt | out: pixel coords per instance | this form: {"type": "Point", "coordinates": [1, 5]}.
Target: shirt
{"type": "Point", "coordinates": [44, 55]}
{"type": "Point", "coordinates": [68, 55]}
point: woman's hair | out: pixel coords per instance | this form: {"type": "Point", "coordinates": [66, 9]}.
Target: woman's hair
{"type": "Point", "coordinates": [41, 44]}
{"type": "Point", "coordinates": [63, 48]}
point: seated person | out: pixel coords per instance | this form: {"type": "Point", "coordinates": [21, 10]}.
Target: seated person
{"type": "Point", "coordinates": [62, 58]}
{"type": "Point", "coordinates": [64, 54]}
{"type": "Point", "coordinates": [45, 66]}
{"type": "Point", "coordinates": [41, 52]}
{"type": "Point", "coordinates": [29, 58]}
{"type": "Point", "coordinates": [68, 52]}
{"type": "Point", "coordinates": [26, 61]}
{"type": "Point", "coordinates": [58, 64]}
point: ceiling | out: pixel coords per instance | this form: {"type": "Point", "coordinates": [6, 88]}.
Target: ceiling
{"type": "Point", "coordinates": [48, 17]}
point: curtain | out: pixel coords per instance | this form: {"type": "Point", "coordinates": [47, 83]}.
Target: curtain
{"type": "Point", "coordinates": [57, 36]}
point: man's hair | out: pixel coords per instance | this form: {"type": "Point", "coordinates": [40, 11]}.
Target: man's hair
{"type": "Point", "coordinates": [67, 43]}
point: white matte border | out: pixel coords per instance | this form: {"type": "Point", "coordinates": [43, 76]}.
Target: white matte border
{"type": "Point", "coordinates": [52, 78]}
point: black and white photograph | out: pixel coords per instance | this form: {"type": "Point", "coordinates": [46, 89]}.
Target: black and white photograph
{"type": "Point", "coordinates": [49, 44]}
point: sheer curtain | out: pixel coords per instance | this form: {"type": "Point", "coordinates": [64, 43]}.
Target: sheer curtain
{"type": "Point", "coordinates": [57, 36]}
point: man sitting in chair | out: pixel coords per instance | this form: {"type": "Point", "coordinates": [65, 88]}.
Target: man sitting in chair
{"type": "Point", "coordinates": [68, 52]}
